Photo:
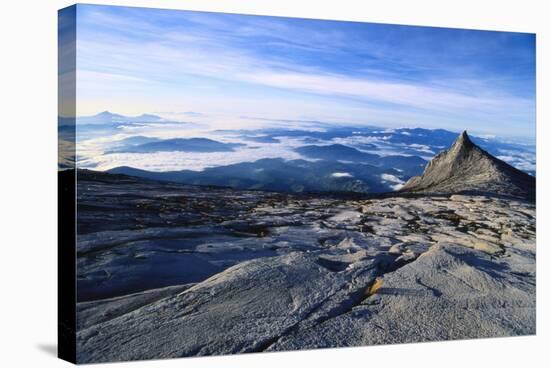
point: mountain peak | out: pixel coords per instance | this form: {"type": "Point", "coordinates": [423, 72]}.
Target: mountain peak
{"type": "Point", "coordinates": [106, 116]}
{"type": "Point", "coordinates": [148, 117]}
{"type": "Point", "coordinates": [465, 167]}
{"type": "Point", "coordinates": [462, 143]}
{"type": "Point", "coordinates": [106, 113]}
{"type": "Point", "coordinates": [464, 139]}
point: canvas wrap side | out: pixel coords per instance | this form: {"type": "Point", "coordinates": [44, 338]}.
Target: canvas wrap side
{"type": "Point", "coordinates": [66, 252]}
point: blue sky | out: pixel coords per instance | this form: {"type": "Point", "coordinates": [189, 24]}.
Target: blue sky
{"type": "Point", "coordinates": [138, 60]}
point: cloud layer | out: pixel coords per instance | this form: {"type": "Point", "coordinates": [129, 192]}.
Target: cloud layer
{"type": "Point", "coordinates": [138, 60]}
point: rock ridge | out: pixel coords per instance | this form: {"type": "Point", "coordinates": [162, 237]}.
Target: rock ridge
{"type": "Point", "coordinates": [465, 167]}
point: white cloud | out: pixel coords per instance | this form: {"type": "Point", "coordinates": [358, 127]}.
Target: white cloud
{"type": "Point", "coordinates": [341, 175]}
{"type": "Point", "coordinates": [93, 151]}
{"type": "Point", "coordinates": [422, 148]}
{"type": "Point", "coordinates": [391, 178]}
{"type": "Point", "coordinates": [396, 186]}
{"type": "Point", "coordinates": [399, 93]}
{"type": "Point", "coordinates": [181, 58]}
{"type": "Point", "coordinates": [522, 160]}
{"type": "Point", "coordinates": [396, 182]}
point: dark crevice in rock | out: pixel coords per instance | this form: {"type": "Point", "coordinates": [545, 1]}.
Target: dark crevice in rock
{"type": "Point", "coordinates": [435, 291]}
{"type": "Point", "coordinates": [332, 265]}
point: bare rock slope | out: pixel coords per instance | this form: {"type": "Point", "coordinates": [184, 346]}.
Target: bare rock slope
{"type": "Point", "coordinates": [169, 270]}
{"type": "Point", "coordinates": [467, 168]}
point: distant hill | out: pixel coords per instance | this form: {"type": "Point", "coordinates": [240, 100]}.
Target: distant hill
{"type": "Point", "coordinates": [177, 144]}
{"type": "Point", "coordinates": [281, 175]}
{"type": "Point", "coordinates": [407, 165]}
{"type": "Point", "coordinates": [336, 152]}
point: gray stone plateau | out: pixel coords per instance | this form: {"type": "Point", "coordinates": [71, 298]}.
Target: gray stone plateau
{"type": "Point", "coordinates": [170, 270]}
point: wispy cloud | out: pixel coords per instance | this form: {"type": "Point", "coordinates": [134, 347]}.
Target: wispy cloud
{"type": "Point", "coordinates": [360, 73]}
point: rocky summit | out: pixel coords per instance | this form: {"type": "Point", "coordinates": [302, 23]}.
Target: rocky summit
{"type": "Point", "coordinates": [169, 270]}
{"type": "Point", "coordinates": [465, 167]}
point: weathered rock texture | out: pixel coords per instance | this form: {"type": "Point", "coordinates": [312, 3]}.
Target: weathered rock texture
{"type": "Point", "coordinates": [467, 168]}
{"type": "Point", "coordinates": [169, 270]}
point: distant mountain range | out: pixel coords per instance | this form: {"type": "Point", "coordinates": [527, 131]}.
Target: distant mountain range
{"type": "Point", "coordinates": [107, 117]}
{"type": "Point", "coordinates": [107, 123]}
{"type": "Point", "coordinates": [336, 152]}
{"type": "Point", "coordinates": [331, 167]}
{"type": "Point", "coordinates": [320, 157]}
{"type": "Point", "coordinates": [282, 175]}
{"type": "Point", "coordinates": [407, 165]}
{"type": "Point", "coordinates": [149, 145]}
{"type": "Point", "coordinates": [464, 167]}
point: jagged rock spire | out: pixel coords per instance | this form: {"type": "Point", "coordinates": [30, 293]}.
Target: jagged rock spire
{"type": "Point", "coordinates": [467, 167]}
{"type": "Point", "coordinates": [463, 141]}
{"type": "Point", "coordinates": [464, 137]}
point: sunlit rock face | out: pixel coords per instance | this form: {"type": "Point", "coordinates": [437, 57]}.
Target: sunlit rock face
{"type": "Point", "coordinates": [466, 167]}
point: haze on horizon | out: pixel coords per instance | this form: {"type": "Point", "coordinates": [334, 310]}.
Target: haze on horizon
{"type": "Point", "coordinates": [224, 67]}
